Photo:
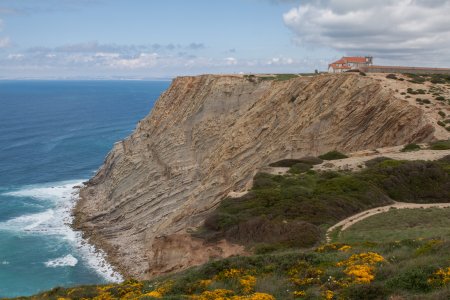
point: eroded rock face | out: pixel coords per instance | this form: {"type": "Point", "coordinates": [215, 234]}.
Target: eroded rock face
{"type": "Point", "coordinates": [207, 136]}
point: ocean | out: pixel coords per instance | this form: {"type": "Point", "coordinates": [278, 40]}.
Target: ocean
{"type": "Point", "coordinates": [53, 136]}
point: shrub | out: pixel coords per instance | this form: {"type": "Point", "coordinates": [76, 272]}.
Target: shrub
{"type": "Point", "coordinates": [440, 145]}
{"type": "Point", "coordinates": [440, 123]}
{"type": "Point", "coordinates": [333, 155]}
{"type": "Point", "coordinates": [440, 98]}
{"type": "Point", "coordinates": [410, 147]}
{"type": "Point", "coordinates": [391, 76]}
{"type": "Point", "coordinates": [414, 279]}
{"type": "Point", "coordinates": [374, 291]}
{"type": "Point", "coordinates": [300, 168]}
{"type": "Point", "coordinates": [376, 161]}
{"type": "Point", "coordinates": [426, 101]}
{"type": "Point", "coordinates": [287, 163]}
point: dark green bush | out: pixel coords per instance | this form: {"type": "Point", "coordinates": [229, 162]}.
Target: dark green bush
{"type": "Point", "coordinates": [375, 161]}
{"type": "Point", "coordinates": [333, 155]}
{"type": "Point", "coordinates": [414, 279]}
{"type": "Point", "coordinates": [287, 163]}
{"type": "Point", "coordinates": [410, 147]}
{"type": "Point", "coordinates": [440, 145]}
{"type": "Point", "coordinates": [300, 168]}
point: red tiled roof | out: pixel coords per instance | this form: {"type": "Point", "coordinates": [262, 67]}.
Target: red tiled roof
{"type": "Point", "coordinates": [354, 59]}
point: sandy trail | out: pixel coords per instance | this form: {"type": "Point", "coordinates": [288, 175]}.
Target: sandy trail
{"type": "Point", "coordinates": [346, 223]}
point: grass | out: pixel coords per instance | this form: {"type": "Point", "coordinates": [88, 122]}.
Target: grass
{"type": "Point", "coordinates": [400, 224]}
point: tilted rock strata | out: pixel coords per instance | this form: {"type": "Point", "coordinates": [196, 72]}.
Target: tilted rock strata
{"type": "Point", "coordinates": [206, 137]}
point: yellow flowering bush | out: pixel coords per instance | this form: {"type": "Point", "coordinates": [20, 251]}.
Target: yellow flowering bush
{"type": "Point", "coordinates": [304, 274]}
{"type": "Point", "coordinates": [360, 273]}
{"type": "Point", "coordinates": [247, 283]}
{"type": "Point", "coordinates": [229, 274]}
{"type": "Point", "coordinates": [345, 248]}
{"type": "Point", "coordinates": [440, 278]}
{"type": "Point", "coordinates": [331, 247]}
{"type": "Point", "coordinates": [299, 293]}
{"type": "Point", "coordinates": [328, 295]}
{"type": "Point", "coordinates": [255, 296]}
{"type": "Point", "coordinates": [160, 290]}
{"type": "Point", "coordinates": [218, 294]}
{"type": "Point", "coordinates": [369, 258]}
{"type": "Point", "coordinates": [361, 267]}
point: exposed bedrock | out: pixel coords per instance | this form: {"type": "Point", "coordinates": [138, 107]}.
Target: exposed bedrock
{"type": "Point", "coordinates": [207, 136]}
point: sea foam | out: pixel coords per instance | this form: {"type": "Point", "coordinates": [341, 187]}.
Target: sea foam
{"type": "Point", "coordinates": [65, 261]}
{"type": "Point", "coordinates": [56, 221]}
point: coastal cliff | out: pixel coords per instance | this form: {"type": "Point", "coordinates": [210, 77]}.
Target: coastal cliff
{"type": "Point", "coordinates": [206, 137]}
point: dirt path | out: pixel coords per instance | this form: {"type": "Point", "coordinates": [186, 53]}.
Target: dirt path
{"type": "Point", "coordinates": [346, 223]}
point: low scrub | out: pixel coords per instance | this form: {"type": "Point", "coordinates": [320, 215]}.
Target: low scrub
{"type": "Point", "coordinates": [410, 147]}
{"type": "Point", "coordinates": [440, 145]}
{"type": "Point", "coordinates": [333, 155]}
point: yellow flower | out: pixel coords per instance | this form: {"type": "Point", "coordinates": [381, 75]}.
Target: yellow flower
{"type": "Point", "coordinates": [440, 277]}
{"type": "Point", "coordinates": [299, 293]}
{"type": "Point", "coordinates": [369, 258]}
{"type": "Point", "coordinates": [328, 295]}
{"type": "Point", "coordinates": [255, 296]}
{"type": "Point", "coordinates": [360, 273]}
{"type": "Point", "coordinates": [247, 283]}
{"type": "Point", "coordinates": [219, 294]}
{"type": "Point", "coordinates": [345, 248]}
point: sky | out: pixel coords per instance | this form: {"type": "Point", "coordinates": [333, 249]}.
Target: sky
{"type": "Point", "coordinates": [147, 39]}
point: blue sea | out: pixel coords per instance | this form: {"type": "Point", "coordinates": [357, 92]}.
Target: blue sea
{"type": "Point", "coordinates": [53, 136]}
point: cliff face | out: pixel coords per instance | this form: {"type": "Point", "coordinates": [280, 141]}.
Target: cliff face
{"type": "Point", "coordinates": [207, 136]}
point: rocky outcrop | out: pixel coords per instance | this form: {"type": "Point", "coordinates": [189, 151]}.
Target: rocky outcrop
{"type": "Point", "coordinates": [207, 136]}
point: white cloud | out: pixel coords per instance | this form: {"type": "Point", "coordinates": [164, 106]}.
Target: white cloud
{"type": "Point", "coordinates": [15, 56]}
{"type": "Point", "coordinates": [231, 61]}
{"type": "Point", "coordinates": [280, 61]}
{"type": "Point", "coordinates": [390, 29]}
{"type": "Point", "coordinates": [4, 42]}
{"type": "Point", "coordinates": [143, 60]}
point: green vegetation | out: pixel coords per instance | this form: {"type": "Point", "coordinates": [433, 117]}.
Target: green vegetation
{"type": "Point", "coordinates": [392, 76]}
{"type": "Point", "coordinates": [400, 224]}
{"type": "Point", "coordinates": [402, 254]}
{"type": "Point", "coordinates": [276, 77]}
{"type": "Point", "coordinates": [416, 92]}
{"type": "Point", "coordinates": [435, 78]}
{"type": "Point", "coordinates": [410, 147]}
{"type": "Point", "coordinates": [440, 145]}
{"type": "Point", "coordinates": [287, 163]}
{"type": "Point", "coordinates": [292, 210]}
{"type": "Point", "coordinates": [403, 269]}
{"type": "Point", "coordinates": [333, 155]}
{"type": "Point", "coordinates": [279, 77]}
